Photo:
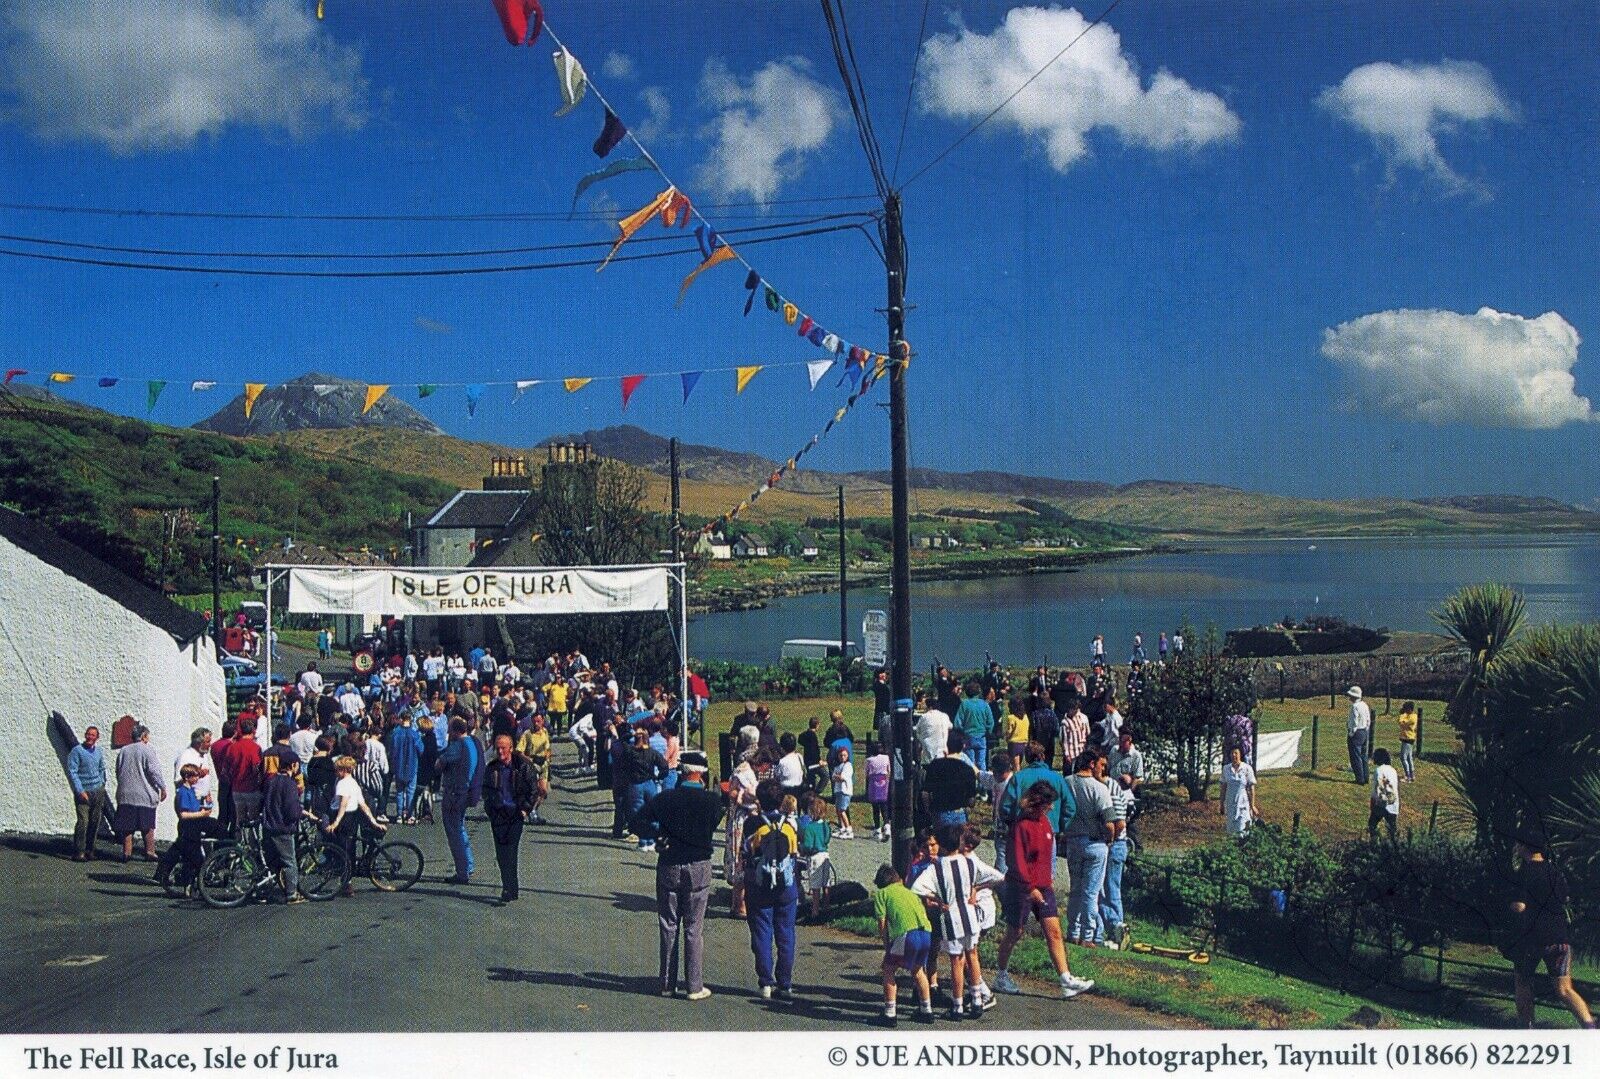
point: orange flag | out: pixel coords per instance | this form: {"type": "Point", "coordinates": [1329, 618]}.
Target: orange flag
{"type": "Point", "coordinates": [745, 374]}
{"type": "Point", "coordinates": [573, 385]}
{"type": "Point", "coordinates": [373, 393]}
{"type": "Point", "coordinates": [720, 255]}
{"type": "Point", "coordinates": [252, 390]}
{"type": "Point", "coordinates": [636, 221]}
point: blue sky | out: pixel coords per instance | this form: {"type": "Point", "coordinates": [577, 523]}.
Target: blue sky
{"type": "Point", "coordinates": [1325, 249]}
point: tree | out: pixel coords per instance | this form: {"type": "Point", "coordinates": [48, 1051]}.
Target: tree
{"type": "Point", "coordinates": [1484, 618]}
{"type": "Point", "coordinates": [1181, 710]}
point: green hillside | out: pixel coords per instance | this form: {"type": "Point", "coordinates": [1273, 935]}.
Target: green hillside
{"type": "Point", "coordinates": [104, 481]}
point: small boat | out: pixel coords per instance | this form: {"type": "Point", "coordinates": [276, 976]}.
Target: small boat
{"type": "Point", "coordinates": [1311, 547]}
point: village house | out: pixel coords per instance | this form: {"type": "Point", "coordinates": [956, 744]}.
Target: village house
{"type": "Point", "coordinates": [750, 545]}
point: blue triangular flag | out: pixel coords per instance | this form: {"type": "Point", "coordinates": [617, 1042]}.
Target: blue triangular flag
{"type": "Point", "coordinates": [107, 383]}
{"type": "Point", "coordinates": [474, 392]}
{"type": "Point", "coordinates": [689, 379]}
{"type": "Point", "coordinates": [752, 279]}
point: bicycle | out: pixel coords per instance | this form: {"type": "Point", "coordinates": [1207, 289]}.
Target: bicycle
{"type": "Point", "coordinates": [392, 866]}
{"type": "Point", "coordinates": [176, 877]}
{"type": "Point", "coordinates": [232, 875]}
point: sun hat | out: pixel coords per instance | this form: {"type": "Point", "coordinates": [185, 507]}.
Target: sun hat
{"type": "Point", "coordinates": [1354, 693]}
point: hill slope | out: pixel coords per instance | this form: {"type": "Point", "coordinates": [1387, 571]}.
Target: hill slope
{"type": "Point", "coordinates": [318, 401]}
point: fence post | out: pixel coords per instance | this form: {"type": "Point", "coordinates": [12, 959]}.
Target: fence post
{"type": "Point", "coordinates": [1295, 828]}
{"type": "Point", "coordinates": [1419, 732]}
{"type": "Point", "coordinates": [1388, 688]}
{"type": "Point", "coordinates": [1332, 702]}
{"type": "Point", "coordinates": [1433, 816]}
{"type": "Point", "coordinates": [1315, 722]}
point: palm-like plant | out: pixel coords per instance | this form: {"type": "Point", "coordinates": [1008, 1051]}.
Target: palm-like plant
{"type": "Point", "coordinates": [1484, 618]}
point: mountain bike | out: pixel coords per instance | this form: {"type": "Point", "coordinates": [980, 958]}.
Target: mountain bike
{"type": "Point", "coordinates": [233, 875]}
{"type": "Point", "coordinates": [178, 879]}
{"type": "Point", "coordinates": [392, 866]}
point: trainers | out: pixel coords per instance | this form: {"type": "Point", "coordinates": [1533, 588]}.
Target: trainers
{"type": "Point", "coordinates": [1003, 983]}
{"type": "Point", "coordinates": [1071, 986]}
{"type": "Point", "coordinates": [1111, 944]}
{"type": "Point", "coordinates": [986, 1001]}
{"type": "Point", "coordinates": [925, 1015]}
{"type": "Point", "coordinates": [295, 898]}
{"type": "Point", "coordinates": [888, 1018]}
{"type": "Point", "coordinates": [783, 996]}
{"type": "Point", "coordinates": [956, 1015]}
{"type": "Point", "coordinates": [766, 992]}
{"type": "Point", "coordinates": [699, 994]}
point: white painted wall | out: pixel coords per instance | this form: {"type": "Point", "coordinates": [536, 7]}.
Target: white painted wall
{"type": "Point", "coordinates": [65, 647]}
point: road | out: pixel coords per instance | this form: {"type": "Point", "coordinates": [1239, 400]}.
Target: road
{"type": "Point", "coordinates": [98, 947]}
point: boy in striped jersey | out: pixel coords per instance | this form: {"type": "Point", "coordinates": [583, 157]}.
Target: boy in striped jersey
{"type": "Point", "coordinates": [951, 888]}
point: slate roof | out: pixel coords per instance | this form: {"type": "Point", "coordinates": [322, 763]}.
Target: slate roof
{"type": "Point", "coordinates": [479, 509]}
{"type": "Point", "coordinates": [184, 625]}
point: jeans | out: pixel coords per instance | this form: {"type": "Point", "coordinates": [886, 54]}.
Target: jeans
{"type": "Point", "coordinates": [454, 811]}
{"type": "Point", "coordinates": [1111, 891]}
{"type": "Point", "coordinates": [681, 895]}
{"type": "Point", "coordinates": [670, 782]}
{"type": "Point", "coordinates": [90, 814]}
{"type": "Point", "coordinates": [638, 795]}
{"type": "Point", "coordinates": [1358, 756]}
{"type": "Point", "coordinates": [1086, 862]}
{"type": "Point", "coordinates": [978, 752]}
{"type": "Point", "coordinates": [507, 827]}
{"type": "Point", "coordinates": [246, 807]}
{"type": "Point", "coordinates": [1408, 759]}
{"type": "Point", "coordinates": [403, 790]}
{"type": "Point", "coordinates": [774, 919]}
{"type": "Point", "coordinates": [1002, 842]}
{"type": "Point", "coordinates": [1376, 814]}
{"type": "Point", "coordinates": [281, 856]}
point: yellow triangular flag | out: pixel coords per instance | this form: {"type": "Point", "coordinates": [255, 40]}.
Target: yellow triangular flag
{"type": "Point", "coordinates": [790, 313]}
{"type": "Point", "coordinates": [61, 376]}
{"type": "Point", "coordinates": [573, 385]}
{"type": "Point", "coordinates": [745, 375]}
{"type": "Point", "coordinates": [877, 370]}
{"type": "Point", "coordinates": [373, 393]}
{"type": "Point", "coordinates": [252, 390]}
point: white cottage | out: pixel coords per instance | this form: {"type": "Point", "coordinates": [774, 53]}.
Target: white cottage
{"type": "Point", "coordinates": [84, 639]}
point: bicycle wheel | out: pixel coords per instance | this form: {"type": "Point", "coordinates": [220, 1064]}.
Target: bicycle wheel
{"type": "Point", "coordinates": [175, 879]}
{"type": "Point", "coordinates": [227, 877]}
{"type": "Point", "coordinates": [395, 866]}
{"type": "Point", "coordinates": [322, 870]}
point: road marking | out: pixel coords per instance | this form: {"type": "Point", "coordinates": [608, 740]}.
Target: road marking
{"type": "Point", "coordinates": [74, 961]}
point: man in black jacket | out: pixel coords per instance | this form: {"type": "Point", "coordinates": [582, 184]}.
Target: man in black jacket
{"type": "Point", "coordinates": [682, 821]}
{"type": "Point", "coordinates": [509, 788]}
{"type": "Point", "coordinates": [280, 816]}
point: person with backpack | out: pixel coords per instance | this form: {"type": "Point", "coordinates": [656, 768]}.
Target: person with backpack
{"type": "Point", "coordinates": [772, 891]}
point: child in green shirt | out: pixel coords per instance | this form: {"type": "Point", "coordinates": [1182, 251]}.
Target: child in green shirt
{"type": "Point", "coordinates": [907, 941]}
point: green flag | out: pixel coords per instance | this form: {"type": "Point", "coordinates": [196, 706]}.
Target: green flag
{"type": "Point", "coordinates": [152, 390]}
{"type": "Point", "coordinates": [426, 389]}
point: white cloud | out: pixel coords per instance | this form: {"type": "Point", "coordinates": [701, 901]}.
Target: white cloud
{"type": "Point", "coordinates": [766, 127]}
{"type": "Point", "coordinates": [1406, 107]}
{"type": "Point", "coordinates": [617, 65]}
{"type": "Point", "coordinates": [1489, 369]}
{"type": "Point", "coordinates": [658, 111]}
{"type": "Point", "coordinates": [1095, 84]}
{"type": "Point", "coordinates": [158, 74]}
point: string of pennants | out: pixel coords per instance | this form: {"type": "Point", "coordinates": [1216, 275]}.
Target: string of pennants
{"type": "Point", "coordinates": [869, 380]}
{"type": "Point", "coordinates": [523, 21]}
{"type": "Point", "coordinates": [375, 392]}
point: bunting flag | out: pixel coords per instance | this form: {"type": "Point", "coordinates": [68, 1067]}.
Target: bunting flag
{"type": "Point", "coordinates": [107, 383]}
{"type": "Point", "coordinates": [319, 10]}
{"type": "Point", "coordinates": [610, 135]}
{"type": "Point", "coordinates": [773, 300]}
{"type": "Point", "coordinates": [474, 392]}
{"type": "Point", "coordinates": [521, 20]}
{"type": "Point", "coordinates": [524, 385]}
{"type": "Point", "coordinates": [831, 342]}
{"type": "Point", "coordinates": [201, 387]}
{"type": "Point", "coordinates": [716, 258]}
{"type": "Point", "coordinates": [629, 384]}
{"type": "Point", "coordinates": [880, 362]}
{"type": "Point", "coordinates": [751, 280]}
{"type": "Point", "coordinates": [573, 385]}
{"type": "Point", "coordinates": [15, 372]}
{"type": "Point", "coordinates": [636, 221]}
{"type": "Point", "coordinates": [252, 390]}
{"type": "Point", "coordinates": [152, 390]}
{"type": "Point", "coordinates": [744, 375]}
{"type": "Point", "coordinates": [790, 313]}
{"type": "Point", "coordinates": [426, 389]}
{"type": "Point", "coordinates": [322, 389]}
{"type": "Point", "coordinates": [374, 392]}
{"type": "Point", "coordinates": [807, 324]}
{"type": "Point", "coordinates": [816, 369]}
{"type": "Point", "coordinates": [677, 211]}
{"type": "Point", "coordinates": [61, 376]}
{"type": "Point", "coordinates": [689, 379]}
{"type": "Point", "coordinates": [606, 172]}
{"type": "Point", "coordinates": [815, 336]}
{"type": "Point", "coordinates": [572, 80]}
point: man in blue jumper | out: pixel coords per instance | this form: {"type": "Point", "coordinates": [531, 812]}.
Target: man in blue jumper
{"type": "Point", "coordinates": [86, 771]}
{"type": "Point", "coordinates": [459, 766]}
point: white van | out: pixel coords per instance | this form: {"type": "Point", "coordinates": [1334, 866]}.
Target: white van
{"type": "Point", "coordinates": [816, 648]}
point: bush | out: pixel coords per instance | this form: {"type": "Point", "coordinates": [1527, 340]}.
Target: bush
{"type": "Point", "coordinates": [1424, 892]}
{"type": "Point", "coordinates": [730, 680]}
{"type": "Point", "coordinates": [1236, 878]}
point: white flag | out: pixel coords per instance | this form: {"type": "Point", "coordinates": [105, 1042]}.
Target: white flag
{"type": "Point", "coordinates": [197, 387]}
{"type": "Point", "coordinates": [816, 369]}
{"type": "Point", "coordinates": [569, 73]}
{"type": "Point", "coordinates": [524, 385]}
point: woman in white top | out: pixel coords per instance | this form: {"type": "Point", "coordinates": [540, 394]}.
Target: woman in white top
{"type": "Point", "coordinates": [1238, 793]}
{"type": "Point", "coordinates": [741, 805]}
{"type": "Point", "coordinates": [350, 805]}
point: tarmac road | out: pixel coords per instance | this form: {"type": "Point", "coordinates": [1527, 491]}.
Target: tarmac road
{"type": "Point", "coordinates": [99, 948]}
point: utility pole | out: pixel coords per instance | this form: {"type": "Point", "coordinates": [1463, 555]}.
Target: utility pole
{"type": "Point", "coordinates": [844, 601]}
{"type": "Point", "coordinates": [216, 563]}
{"type": "Point", "coordinates": [677, 504]}
{"type": "Point", "coordinates": [904, 790]}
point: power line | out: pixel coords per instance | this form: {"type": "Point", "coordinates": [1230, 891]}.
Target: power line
{"type": "Point", "coordinates": [506, 216]}
{"type": "Point", "coordinates": [385, 255]}
{"type": "Point", "coordinates": [855, 92]}
{"type": "Point", "coordinates": [911, 86]}
{"type": "Point", "coordinates": [1010, 97]}
{"type": "Point", "coordinates": [455, 271]}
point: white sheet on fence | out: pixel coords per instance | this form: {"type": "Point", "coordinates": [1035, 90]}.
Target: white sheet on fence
{"type": "Point", "coordinates": [1278, 750]}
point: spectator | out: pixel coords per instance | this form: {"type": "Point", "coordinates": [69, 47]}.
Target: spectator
{"type": "Point", "coordinates": [810, 743]}
{"type": "Point", "coordinates": [86, 772]}
{"type": "Point", "coordinates": [1358, 731]}
{"type": "Point", "coordinates": [405, 754]}
{"type": "Point", "coordinates": [949, 784]}
{"type": "Point", "coordinates": [772, 891]}
{"type": "Point", "coordinates": [1110, 928]}
{"type": "Point", "coordinates": [1030, 885]}
{"type": "Point", "coordinates": [683, 821]}
{"type": "Point", "coordinates": [458, 768]}
{"type": "Point", "coordinates": [817, 869]}
{"type": "Point", "coordinates": [1408, 722]}
{"type": "Point", "coordinates": [932, 730]}
{"type": "Point", "coordinates": [510, 784]}
{"type": "Point", "coordinates": [974, 719]}
{"type": "Point", "coordinates": [242, 768]}
{"type": "Point", "coordinates": [280, 820]}
{"type": "Point", "coordinates": [1384, 803]}
{"type": "Point", "coordinates": [1088, 840]}
{"type": "Point", "coordinates": [350, 806]}
{"type": "Point", "coordinates": [1238, 793]}
{"type": "Point", "coordinates": [877, 767]}
{"type": "Point", "coordinates": [843, 789]}
{"type": "Point", "coordinates": [1016, 728]}
{"type": "Point", "coordinates": [141, 786]}
{"type": "Point", "coordinates": [951, 889]}
{"type": "Point", "coordinates": [907, 941]}
{"type": "Point", "coordinates": [791, 768]}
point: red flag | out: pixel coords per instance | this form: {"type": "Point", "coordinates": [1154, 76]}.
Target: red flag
{"type": "Point", "coordinates": [521, 20]}
{"type": "Point", "coordinates": [629, 384]}
{"type": "Point", "coordinates": [14, 373]}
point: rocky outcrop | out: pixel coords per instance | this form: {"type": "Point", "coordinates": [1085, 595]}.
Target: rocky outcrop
{"type": "Point", "coordinates": [315, 400]}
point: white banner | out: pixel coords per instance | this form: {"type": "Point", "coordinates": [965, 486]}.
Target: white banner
{"type": "Point", "coordinates": [416, 591]}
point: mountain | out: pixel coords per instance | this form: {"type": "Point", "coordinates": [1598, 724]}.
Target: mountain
{"type": "Point", "coordinates": [315, 400]}
{"type": "Point", "coordinates": [41, 395]}
{"type": "Point", "coordinates": [999, 483]}
{"type": "Point", "coordinates": [1499, 503]}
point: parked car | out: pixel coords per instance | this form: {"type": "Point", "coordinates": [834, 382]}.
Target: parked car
{"type": "Point", "coordinates": [816, 648]}
{"type": "Point", "coordinates": [245, 680]}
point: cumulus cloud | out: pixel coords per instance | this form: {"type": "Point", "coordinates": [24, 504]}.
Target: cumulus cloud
{"type": "Point", "coordinates": [617, 65]}
{"type": "Point", "coordinates": [1094, 85]}
{"type": "Point", "coordinates": [1489, 369]}
{"type": "Point", "coordinates": [1405, 108]}
{"type": "Point", "coordinates": [766, 127]}
{"type": "Point", "coordinates": [158, 74]}
{"type": "Point", "coordinates": [658, 113]}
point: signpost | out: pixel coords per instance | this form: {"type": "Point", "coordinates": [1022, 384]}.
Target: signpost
{"type": "Point", "coordinates": [875, 630]}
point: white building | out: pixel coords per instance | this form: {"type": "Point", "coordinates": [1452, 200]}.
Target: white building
{"type": "Point", "coordinates": [81, 638]}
